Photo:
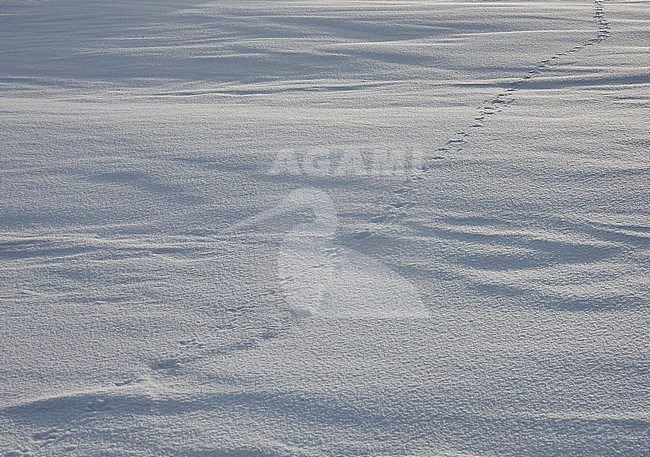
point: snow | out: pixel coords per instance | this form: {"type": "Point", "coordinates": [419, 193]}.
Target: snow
{"type": "Point", "coordinates": [324, 227]}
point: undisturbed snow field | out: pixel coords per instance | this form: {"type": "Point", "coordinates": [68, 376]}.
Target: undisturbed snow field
{"type": "Point", "coordinates": [197, 257]}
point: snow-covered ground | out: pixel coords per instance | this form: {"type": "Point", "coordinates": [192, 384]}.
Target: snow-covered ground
{"type": "Point", "coordinates": [324, 227]}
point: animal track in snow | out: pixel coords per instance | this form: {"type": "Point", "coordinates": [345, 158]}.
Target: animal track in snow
{"type": "Point", "coordinates": [504, 99]}
{"type": "Point", "coordinates": [128, 382]}
{"type": "Point", "coordinates": [49, 435]}
{"type": "Point", "coordinates": [166, 364]}
{"type": "Point", "coordinates": [191, 344]}
{"type": "Point", "coordinates": [493, 106]}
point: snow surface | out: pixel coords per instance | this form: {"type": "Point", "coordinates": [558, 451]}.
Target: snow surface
{"type": "Point", "coordinates": [205, 249]}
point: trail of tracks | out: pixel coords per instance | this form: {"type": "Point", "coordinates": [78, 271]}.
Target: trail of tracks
{"type": "Point", "coordinates": [492, 106]}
